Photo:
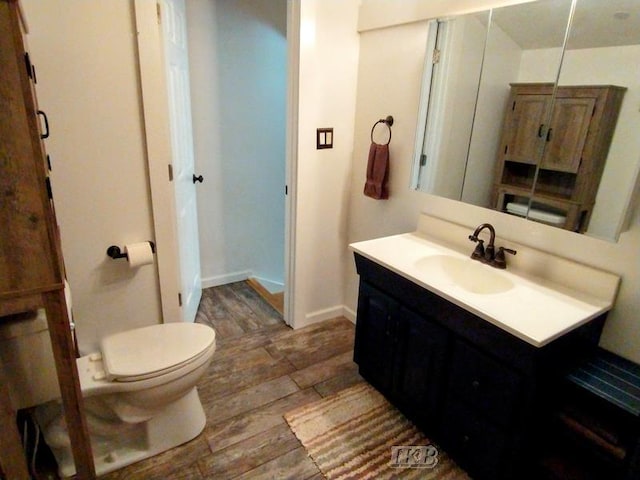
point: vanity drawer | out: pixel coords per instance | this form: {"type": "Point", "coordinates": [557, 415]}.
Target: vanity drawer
{"type": "Point", "coordinates": [484, 384]}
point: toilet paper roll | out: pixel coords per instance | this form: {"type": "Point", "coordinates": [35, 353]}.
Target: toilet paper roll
{"type": "Point", "coordinates": [139, 254]}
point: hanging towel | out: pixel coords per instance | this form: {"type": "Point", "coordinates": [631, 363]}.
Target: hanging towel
{"type": "Point", "coordinates": [377, 172]}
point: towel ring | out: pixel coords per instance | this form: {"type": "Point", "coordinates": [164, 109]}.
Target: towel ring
{"type": "Point", "coordinates": [388, 122]}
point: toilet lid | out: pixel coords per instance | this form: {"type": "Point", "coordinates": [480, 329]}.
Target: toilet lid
{"type": "Point", "coordinates": [151, 351]}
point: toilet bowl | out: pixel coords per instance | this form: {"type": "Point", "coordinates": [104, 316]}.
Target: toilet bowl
{"type": "Point", "coordinates": [139, 394]}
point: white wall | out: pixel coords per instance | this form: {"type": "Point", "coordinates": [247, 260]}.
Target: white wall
{"type": "Point", "coordinates": [399, 52]}
{"type": "Point", "coordinates": [327, 88]}
{"type": "Point", "coordinates": [237, 54]}
{"type": "Point", "coordinates": [85, 56]}
{"type": "Point", "coordinates": [465, 165]}
{"type": "Point", "coordinates": [501, 65]}
{"type": "Point", "coordinates": [463, 59]}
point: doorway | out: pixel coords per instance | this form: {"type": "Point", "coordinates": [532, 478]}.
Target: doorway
{"type": "Point", "coordinates": [243, 205]}
{"type": "Point", "coordinates": [238, 70]}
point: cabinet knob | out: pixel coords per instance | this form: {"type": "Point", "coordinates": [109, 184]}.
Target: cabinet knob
{"type": "Point", "coordinates": [475, 384]}
{"type": "Point", "coordinates": [199, 178]}
{"type": "Point", "coordinates": [466, 439]}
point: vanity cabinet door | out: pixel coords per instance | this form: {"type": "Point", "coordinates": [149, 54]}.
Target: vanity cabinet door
{"type": "Point", "coordinates": [478, 445]}
{"type": "Point", "coordinates": [488, 387]}
{"type": "Point", "coordinates": [420, 362]}
{"type": "Point", "coordinates": [376, 336]}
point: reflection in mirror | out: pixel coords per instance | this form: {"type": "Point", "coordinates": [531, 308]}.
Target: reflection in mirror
{"type": "Point", "coordinates": [590, 173]}
{"type": "Point", "coordinates": [502, 162]}
{"type": "Point", "coordinates": [449, 90]}
{"type": "Point", "coordinates": [521, 61]}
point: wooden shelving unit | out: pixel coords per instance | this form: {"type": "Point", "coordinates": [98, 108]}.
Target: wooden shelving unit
{"type": "Point", "coordinates": [553, 150]}
{"type": "Point", "coordinates": [31, 263]}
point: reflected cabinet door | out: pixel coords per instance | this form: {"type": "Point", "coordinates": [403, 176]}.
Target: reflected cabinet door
{"type": "Point", "coordinates": [524, 127]}
{"type": "Point", "coordinates": [567, 133]}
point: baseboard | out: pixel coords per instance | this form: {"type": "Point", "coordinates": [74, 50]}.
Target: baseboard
{"type": "Point", "coordinates": [270, 285]}
{"type": "Point", "coordinates": [328, 313]}
{"type": "Point", "coordinates": [349, 314]}
{"type": "Point", "coordinates": [226, 278]}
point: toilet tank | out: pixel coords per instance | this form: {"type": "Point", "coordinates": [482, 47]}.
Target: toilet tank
{"type": "Point", "coordinates": [27, 359]}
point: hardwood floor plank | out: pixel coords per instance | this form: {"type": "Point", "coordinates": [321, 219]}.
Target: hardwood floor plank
{"type": "Point", "coordinates": [239, 311]}
{"type": "Point", "coordinates": [242, 360]}
{"type": "Point", "coordinates": [214, 313]}
{"type": "Point", "coordinates": [322, 371]}
{"type": "Point", "coordinates": [165, 471]}
{"type": "Point", "coordinates": [302, 338]}
{"type": "Point", "coordinates": [295, 464]}
{"type": "Point", "coordinates": [338, 323]}
{"type": "Point", "coordinates": [275, 300]}
{"type": "Point", "coordinates": [317, 476]}
{"type": "Point", "coordinates": [236, 380]}
{"type": "Point", "coordinates": [306, 350]}
{"type": "Point", "coordinates": [249, 399]}
{"type": "Point", "coordinates": [177, 463]}
{"type": "Point", "coordinates": [227, 347]}
{"type": "Point", "coordinates": [250, 453]}
{"type": "Point", "coordinates": [345, 380]}
{"type": "Point", "coordinates": [222, 434]}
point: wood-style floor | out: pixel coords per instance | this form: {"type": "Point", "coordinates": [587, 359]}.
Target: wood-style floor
{"type": "Point", "coordinates": [276, 300]}
{"type": "Point", "coordinates": [261, 370]}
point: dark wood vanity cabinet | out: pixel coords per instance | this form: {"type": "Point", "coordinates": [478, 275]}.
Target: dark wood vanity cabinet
{"type": "Point", "coordinates": [400, 352]}
{"type": "Point", "coordinates": [568, 137]}
{"type": "Point", "coordinates": [481, 393]}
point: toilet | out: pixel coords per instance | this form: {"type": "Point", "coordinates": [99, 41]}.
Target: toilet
{"type": "Point", "coordinates": [139, 393]}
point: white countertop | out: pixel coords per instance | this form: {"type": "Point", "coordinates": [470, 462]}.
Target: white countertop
{"type": "Point", "coordinates": [535, 310]}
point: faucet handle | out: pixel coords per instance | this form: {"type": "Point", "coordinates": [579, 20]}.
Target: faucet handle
{"type": "Point", "coordinates": [478, 253]}
{"type": "Point", "coordinates": [500, 261]}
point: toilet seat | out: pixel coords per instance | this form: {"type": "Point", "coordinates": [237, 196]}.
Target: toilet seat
{"type": "Point", "coordinates": [149, 352]}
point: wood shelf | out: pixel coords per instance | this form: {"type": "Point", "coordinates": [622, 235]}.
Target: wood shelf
{"type": "Point", "coordinates": [30, 253]}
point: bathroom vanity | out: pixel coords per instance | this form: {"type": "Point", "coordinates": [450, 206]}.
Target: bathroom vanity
{"type": "Point", "coordinates": [473, 355]}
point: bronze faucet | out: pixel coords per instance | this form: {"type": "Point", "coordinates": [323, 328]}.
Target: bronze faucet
{"type": "Point", "coordinates": [488, 255]}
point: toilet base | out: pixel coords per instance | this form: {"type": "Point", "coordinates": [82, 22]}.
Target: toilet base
{"type": "Point", "coordinates": [121, 444]}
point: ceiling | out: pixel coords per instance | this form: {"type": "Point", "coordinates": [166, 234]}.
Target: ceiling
{"type": "Point", "coordinates": [596, 23]}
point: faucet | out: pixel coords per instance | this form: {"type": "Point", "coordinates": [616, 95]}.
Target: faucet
{"type": "Point", "coordinates": [488, 255]}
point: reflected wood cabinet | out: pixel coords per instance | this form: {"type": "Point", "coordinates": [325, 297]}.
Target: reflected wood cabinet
{"type": "Point", "coordinates": [568, 137]}
{"type": "Point", "coordinates": [31, 264]}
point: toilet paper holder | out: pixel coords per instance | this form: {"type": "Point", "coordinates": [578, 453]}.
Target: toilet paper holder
{"type": "Point", "coordinates": [115, 252]}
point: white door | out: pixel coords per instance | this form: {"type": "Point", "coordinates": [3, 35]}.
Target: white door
{"type": "Point", "coordinates": [176, 61]}
{"type": "Point", "coordinates": [164, 79]}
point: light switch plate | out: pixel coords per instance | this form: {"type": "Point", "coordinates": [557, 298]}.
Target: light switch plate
{"type": "Point", "coordinates": [324, 138]}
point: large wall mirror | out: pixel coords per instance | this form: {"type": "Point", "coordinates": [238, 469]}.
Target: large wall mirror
{"type": "Point", "coordinates": [534, 110]}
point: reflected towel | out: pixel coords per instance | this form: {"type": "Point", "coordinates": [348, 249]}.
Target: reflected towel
{"type": "Point", "coordinates": [377, 172]}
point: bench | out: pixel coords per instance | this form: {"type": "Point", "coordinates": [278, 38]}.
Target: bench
{"type": "Point", "coordinates": [600, 411]}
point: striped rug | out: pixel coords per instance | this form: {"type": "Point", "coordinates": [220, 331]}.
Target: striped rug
{"type": "Point", "coordinates": [349, 436]}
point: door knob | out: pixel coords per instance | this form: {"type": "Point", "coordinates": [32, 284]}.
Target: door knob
{"type": "Point", "coordinates": [199, 178]}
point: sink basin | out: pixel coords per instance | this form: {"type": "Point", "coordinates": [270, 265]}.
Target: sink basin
{"type": "Point", "coordinates": [467, 274]}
